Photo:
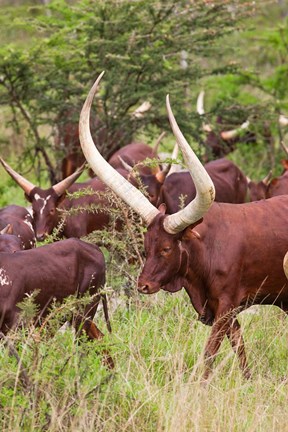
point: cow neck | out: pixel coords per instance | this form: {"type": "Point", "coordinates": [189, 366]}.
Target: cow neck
{"type": "Point", "coordinates": [193, 274]}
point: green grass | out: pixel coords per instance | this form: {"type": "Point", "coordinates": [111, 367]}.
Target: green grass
{"type": "Point", "coordinates": [157, 345]}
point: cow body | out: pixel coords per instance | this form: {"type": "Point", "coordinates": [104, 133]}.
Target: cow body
{"type": "Point", "coordinates": [21, 222]}
{"type": "Point", "coordinates": [229, 181]}
{"type": "Point", "coordinates": [226, 263]}
{"type": "Point", "coordinates": [68, 267]}
{"type": "Point", "coordinates": [133, 154]}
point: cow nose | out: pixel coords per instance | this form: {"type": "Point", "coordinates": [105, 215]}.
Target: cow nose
{"type": "Point", "coordinates": [144, 289]}
{"type": "Point", "coordinates": [41, 237]}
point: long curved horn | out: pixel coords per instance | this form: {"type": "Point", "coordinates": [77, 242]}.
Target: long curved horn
{"type": "Point", "coordinates": [205, 191]}
{"type": "Point", "coordinates": [201, 111]}
{"type": "Point", "coordinates": [285, 264]}
{"type": "Point", "coordinates": [63, 185]}
{"type": "Point", "coordinates": [125, 190]}
{"type": "Point", "coordinates": [20, 180]}
{"type": "Point", "coordinates": [227, 135]}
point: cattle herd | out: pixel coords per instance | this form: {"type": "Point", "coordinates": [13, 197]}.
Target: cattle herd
{"type": "Point", "coordinates": [210, 230]}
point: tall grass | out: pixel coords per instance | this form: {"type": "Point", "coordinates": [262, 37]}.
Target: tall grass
{"type": "Point", "coordinates": [157, 345]}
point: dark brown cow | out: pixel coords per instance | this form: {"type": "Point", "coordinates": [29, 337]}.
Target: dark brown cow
{"type": "Point", "coordinates": [226, 256]}
{"type": "Point", "coordinates": [229, 181]}
{"type": "Point", "coordinates": [21, 223]}
{"type": "Point", "coordinates": [58, 270]}
{"type": "Point", "coordinates": [45, 202]}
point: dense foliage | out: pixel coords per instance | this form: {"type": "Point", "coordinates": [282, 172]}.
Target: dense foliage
{"type": "Point", "coordinates": [148, 49]}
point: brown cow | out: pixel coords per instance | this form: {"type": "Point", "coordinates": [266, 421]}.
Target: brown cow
{"type": "Point", "coordinates": [21, 223]}
{"type": "Point", "coordinates": [226, 256]}
{"type": "Point", "coordinates": [58, 270]}
{"type": "Point", "coordinates": [229, 181]}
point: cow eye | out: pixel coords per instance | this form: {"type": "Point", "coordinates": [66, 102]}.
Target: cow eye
{"type": "Point", "coordinates": [166, 249]}
{"type": "Point", "coordinates": [52, 211]}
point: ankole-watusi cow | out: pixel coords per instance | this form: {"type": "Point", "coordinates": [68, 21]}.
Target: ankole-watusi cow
{"type": "Point", "coordinates": [21, 224]}
{"type": "Point", "coordinates": [226, 256]}
{"type": "Point", "coordinates": [56, 271]}
{"type": "Point", "coordinates": [229, 181]}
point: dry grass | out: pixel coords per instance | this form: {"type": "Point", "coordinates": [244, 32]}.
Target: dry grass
{"type": "Point", "coordinates": [156, 385]}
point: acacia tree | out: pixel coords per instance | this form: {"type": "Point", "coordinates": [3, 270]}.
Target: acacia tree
{"type": "Point", "coordinates": [149, 48]}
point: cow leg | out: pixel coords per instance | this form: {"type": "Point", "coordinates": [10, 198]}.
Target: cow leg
{"type": "Point", "coordinates": [86, 323]}
{"type": "Point", "coordinates": [218, 332]}
{"type": "Point", "coordinates": [106, 314]}
{"type": "Point", "coordinates": [236, 340]}
{"type": "Point", "coordinates": [93, 332]}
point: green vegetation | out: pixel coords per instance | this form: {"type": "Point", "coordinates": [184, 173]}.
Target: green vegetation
{"type": "Point", "coordinates": [157, 345]}
{"type": "Point", "coordinates": [237, 52]}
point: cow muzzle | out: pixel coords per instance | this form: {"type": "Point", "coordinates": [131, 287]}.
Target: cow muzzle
{"type": "Point", "coordinates": [148, 287]}
{"type": "Point", "coordinates": [41, 236]}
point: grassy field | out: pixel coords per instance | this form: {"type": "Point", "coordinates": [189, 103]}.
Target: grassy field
{"type": "Point", "coordinates": [157, 345]}
{"type": "Point", "coordinates": [52, 381]}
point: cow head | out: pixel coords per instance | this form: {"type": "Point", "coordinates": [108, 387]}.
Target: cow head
{"type": "Point", "coordinates": [259, 190]}
{"type": "Point", "coordinates": [44, 201]}
{"type": "Point", "coordinates": [165, 256]}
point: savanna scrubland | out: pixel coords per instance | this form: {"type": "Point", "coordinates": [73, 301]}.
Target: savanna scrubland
{"type": "Point", "coordinates": [51, 52]}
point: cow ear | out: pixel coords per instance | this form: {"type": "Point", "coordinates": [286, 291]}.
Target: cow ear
{"type": "Point", "coordinates": [285, 164]}
{"type": "Point", "coordinates": [162, 208]}
{"type": "Point", "coordinates": [190, 233]}
{"type": "Point", "coordinates": [274, 181]}
{"type": "Point", "coordinates": [28, 198]}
